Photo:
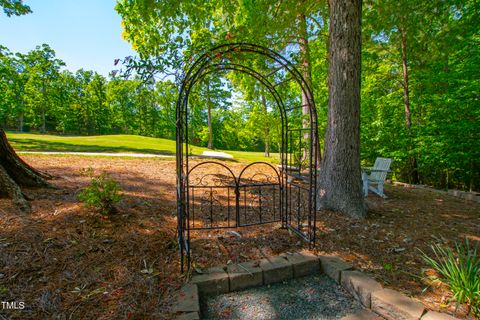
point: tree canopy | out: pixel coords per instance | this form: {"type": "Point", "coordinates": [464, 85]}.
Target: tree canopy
{"type": "Point", "coordinates": [14, 7]}
{"type": "Point", "coordinates": [427, 53]}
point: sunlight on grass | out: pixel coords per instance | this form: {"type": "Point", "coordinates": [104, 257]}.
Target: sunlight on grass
{"type": "Point", "coordinates": [115, 144]}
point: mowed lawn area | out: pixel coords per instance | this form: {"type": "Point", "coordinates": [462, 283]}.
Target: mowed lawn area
{"type": "Point", "coordinates": [114, 144]}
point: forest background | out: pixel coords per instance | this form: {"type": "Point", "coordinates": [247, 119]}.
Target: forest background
{"type": "Point", "coordinates": [420, 96]}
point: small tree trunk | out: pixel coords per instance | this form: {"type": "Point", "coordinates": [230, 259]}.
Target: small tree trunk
{"type": "Point", "coordinates": [406, 98]}
{"type": "Point", "coordinates": [304, 66]}
{"type": "Point", "coordinates": [153, 115]}
{"type": "Point", "coordinates": [43, 108]}
{"type": "Point", "coordinates": [43, 127]}
{"type": "Point", "coordinates": [124, 106]}
{"type": "Point", "coordinates": [209, 118]}
{"type": "Point", "coordinates": [266, 126]}
{"type": "Point", "coordinates": [340, 186]}
{"type": "Point", "coordinates": [306, 70]}
{"type": "Point", "coordinates": [20, 122]}
{"type": "Point", "coordinates": [14, 172]}
{"type": "Point", "coordinates": [306, 74]}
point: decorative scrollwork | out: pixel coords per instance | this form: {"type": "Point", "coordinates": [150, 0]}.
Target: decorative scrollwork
{"type": "Point", "coordinates": [259, 172]}
{"type": "Point", "coordinates": [211, 179]}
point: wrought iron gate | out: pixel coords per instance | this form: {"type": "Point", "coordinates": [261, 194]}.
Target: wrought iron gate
{"type": "Point", "coordinates": [211, 196]}
{"type": "Point", "coordinates": [219, 199]}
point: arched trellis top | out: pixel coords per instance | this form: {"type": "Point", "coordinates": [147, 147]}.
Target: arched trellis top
{"type": "Point", "coordinates": [232, 57]}
{"type": "Point", "coordinates": [289, 198]}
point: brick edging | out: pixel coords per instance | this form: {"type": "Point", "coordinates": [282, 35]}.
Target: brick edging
{"type": "Point", "coordinates": [465, 195]}
{"type": "Point", "coordinates": [378, 301]}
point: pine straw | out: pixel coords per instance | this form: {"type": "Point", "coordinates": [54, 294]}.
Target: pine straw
{"type": "Point", "coordinates": [66, 262]}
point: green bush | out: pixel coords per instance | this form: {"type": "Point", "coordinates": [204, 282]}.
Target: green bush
{"type": "Point", "coordinates": [102, 193]}
{"type": "Point", "coordinates": [459, 269]}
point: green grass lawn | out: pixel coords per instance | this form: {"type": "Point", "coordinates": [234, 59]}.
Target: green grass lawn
{"type": "Point", "coordinates": [113, 144]}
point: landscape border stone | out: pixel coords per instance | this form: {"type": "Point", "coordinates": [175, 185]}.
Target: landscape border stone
{"type": "Point", "coordinates": [471, 196]}
{"type": "Point", "coordinates": [245, 275]}
{"type": "Point", "coordinates": [303, 264]}
{"type": "Point", "coordinates": [188, 299]}
{"type": "Point", "coordinates": [432, 315]}
{"type": "Point", "coordinates": [189, 316]}
{"type": "Point", "coordinates": [394, 305]}
{"type": "Point", "coordinates": [276, 269]}
{"type": "Point", "coordinates": [333, 267]}
{"type": "Point", "coordinates": [362, 315]}
{"type": "Point", "coordinates": [360, 286]}
{"type": "Point", "coordinates": [380, 303]}
{"type": "Point", "coordinates": [213, 281]}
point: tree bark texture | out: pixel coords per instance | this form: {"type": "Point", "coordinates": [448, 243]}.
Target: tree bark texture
{"type": "Point", "coordinates": [340, 186]}
{"type": "Point", "coordinates": [20, 122]}
{"type": "Point", "coordinates": [209, 119]}
{"type": "Point", "coordinates": [406, 98]}
{"type": "Point", "coordinates": [43, 127]}
{"type": "Point", "coordinates": [15, 173]}
{"type": "Point", "coordinates": [304, 66]}
{"type": "Point", "coordinates": [406, 93]}
{"type": "Point", "coordinates": [266, 128]}
{"type": "Point", "coordinates": [306, 70]}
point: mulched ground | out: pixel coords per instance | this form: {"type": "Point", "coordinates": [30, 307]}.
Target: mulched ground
{"type": "Point", "coordinates": [309, 298]}
{"type": "Point", "coordinates": [66, 262]}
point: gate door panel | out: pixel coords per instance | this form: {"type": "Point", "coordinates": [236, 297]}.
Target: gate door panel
{"type": "Point", "coordinates": [300, 184]}
{"type": "Point", "coordinates": [298, 213]}
{"type": "Point", "coordinates": [212, 200]}
{"type": "Point", "coordinates": [260, 194]}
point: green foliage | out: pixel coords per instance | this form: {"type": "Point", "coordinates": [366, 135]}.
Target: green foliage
{"type": "Point", "coordinates": [102, 193]}
{"type": "Point", "coordinates": [388, 267]}
{"type": "Point", "coordinates": [459, 269]}
{"type": "Point", "coordinates": [3, 291]}
{"type": "Point", "coordinates": [14, 7]}
{"type": "Point", "coordinates": [43, 71]}
{"type": "Point", "coordinates": [442, 57]}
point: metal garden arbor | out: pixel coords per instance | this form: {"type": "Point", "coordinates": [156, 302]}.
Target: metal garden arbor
{"type": "Point", "coordinates": [210, 195]}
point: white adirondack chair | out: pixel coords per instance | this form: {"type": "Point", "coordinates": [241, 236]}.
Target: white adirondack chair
{"type": "Point", "coordinates": [374, 177]}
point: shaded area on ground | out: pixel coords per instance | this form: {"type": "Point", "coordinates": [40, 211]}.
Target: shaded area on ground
{"type": "Point", "coordinates": [67, 261]}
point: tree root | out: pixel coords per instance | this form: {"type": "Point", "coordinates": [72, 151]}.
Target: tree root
{"type": "Point", "coordinates": [16, 173]}
{"type": "Point", "coordinates": [11, 189]}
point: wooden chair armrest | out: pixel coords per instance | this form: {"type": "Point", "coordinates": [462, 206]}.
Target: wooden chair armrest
{"type": "Point", "coordinates": [367, 170]}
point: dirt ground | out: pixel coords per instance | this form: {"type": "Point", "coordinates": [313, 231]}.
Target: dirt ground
{"type": "Point", "coordinates": [67, 262]}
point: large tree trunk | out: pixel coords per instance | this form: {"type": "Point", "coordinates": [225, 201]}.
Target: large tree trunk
{"type": "Point", "coordinates": [340, 186]}
{"type": "Point", "coordinates": [15, 173]}
{"type": "Point", "coordinates": [406, 98]}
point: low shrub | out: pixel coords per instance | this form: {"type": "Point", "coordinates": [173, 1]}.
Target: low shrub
{"type": "Point", "coordinates": [102, 193]}
{"type": "Point", "coordinates": [459, 269]}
